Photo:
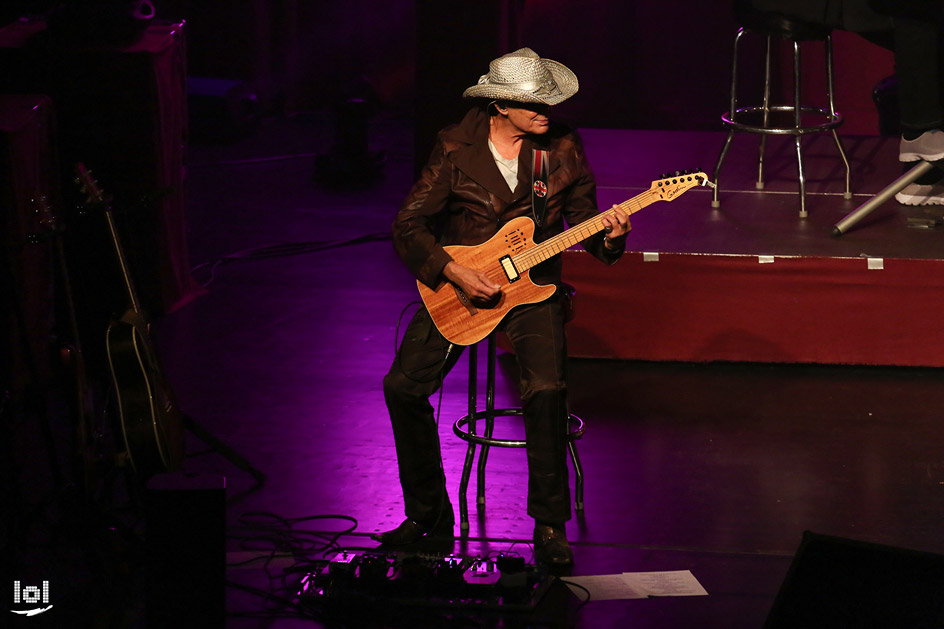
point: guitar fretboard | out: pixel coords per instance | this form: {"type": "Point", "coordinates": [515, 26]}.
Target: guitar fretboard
{"type": "Point", "coordinates": [556, 244]}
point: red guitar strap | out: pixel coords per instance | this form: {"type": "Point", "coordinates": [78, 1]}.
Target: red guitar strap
{"type": "Point", "coordinates": [539, 168]}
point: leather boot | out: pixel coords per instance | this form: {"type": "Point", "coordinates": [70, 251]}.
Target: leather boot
{"type": "Point", "coordinates": [410, 531]}
{"type": "Point", "coordinates": [551, 546]}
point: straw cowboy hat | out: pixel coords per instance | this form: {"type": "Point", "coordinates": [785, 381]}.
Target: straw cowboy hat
{"type": "Point", "coordinates": [522, 76]}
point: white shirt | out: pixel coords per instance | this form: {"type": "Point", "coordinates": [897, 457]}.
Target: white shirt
{"type": "Point", "coordinates": [507, 167]}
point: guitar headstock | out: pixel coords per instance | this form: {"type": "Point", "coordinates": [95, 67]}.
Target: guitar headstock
{"type": "Point", "coordinates": [669, 186]}
{"type": "Point", "coordinates": [88, 186]}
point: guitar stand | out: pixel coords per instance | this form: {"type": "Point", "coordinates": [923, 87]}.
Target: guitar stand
{"type": "Point", "coordinates": [886, 194]}
{"type": "Point", "coordinates": [226, 451]}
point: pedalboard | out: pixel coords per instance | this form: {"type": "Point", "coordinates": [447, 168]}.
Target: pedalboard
{"type": "Point", "coordinates": [501, 582]}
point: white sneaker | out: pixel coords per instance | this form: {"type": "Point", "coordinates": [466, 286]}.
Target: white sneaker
{"type": "Point", "coordinates": [928, 146]}
{"type": "Point", "coordinates": [918, 194]}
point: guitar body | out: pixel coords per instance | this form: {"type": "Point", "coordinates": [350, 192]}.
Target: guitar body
{"type": "Point", "coordinates": [151, 423]}
{"type": "Point", "coordinates": [464, 323]}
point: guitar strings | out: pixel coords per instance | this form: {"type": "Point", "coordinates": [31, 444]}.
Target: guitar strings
{"type": "Point", "coordinates": [591, 226]}
{"type": "Point", "coordinates": [553, 246]}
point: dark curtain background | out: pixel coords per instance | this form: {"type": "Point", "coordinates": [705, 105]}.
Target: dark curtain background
{"type": "Point", "coordinates": [646, 65]}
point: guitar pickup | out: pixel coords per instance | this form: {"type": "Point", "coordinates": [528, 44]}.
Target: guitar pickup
{"type": "Point", "coordinates": [508, 266]}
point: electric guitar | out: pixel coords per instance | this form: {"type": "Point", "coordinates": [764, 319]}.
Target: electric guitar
{"type": "Point", "coordinates": [151, 423]}
{"type": "Point", "coordinates": [507, 257]}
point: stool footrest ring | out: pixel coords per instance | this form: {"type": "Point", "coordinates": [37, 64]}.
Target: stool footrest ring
{"type": "Point", "coordinates": [575, 431]}
{"type": "Point", "coordinates": [832, 121]}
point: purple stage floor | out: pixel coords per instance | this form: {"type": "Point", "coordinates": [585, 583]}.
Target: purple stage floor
{"type": "Point", "coordinates": [715, 468]}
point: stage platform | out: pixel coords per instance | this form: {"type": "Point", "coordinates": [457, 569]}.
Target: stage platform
{"type": "Point", "coordinates": [752, 280]}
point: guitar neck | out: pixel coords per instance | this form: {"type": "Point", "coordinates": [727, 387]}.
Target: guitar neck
{"type": "Point", "coordinates": [97, 198]}
{"type": "Point", "coordinates": [122, 262]}
{"type": "Point", "coordinates": [559, 243]}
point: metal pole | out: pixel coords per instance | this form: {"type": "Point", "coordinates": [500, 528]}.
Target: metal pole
{"type": "Point", "coordinates": [872, 204]}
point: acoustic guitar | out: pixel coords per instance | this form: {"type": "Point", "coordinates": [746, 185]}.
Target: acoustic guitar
{"type": "Point", "coordinates": [151, 423]}
{"type": "Point", "coordinates": [507, 257]}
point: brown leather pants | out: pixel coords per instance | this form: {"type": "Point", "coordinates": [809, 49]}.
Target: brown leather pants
{"type": "Point", "coordinates": [536, 333]}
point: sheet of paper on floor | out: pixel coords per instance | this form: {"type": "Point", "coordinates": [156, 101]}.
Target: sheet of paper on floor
{"type": "Point", "coordinates": [629, 585]}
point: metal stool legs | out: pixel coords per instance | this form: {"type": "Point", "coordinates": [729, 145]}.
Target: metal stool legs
{"type": "Point", "coordinates": [465, 429]}
{"type": "Point", "coordinates": [733, 119]}
{"type": "Point", "coordinates": [847, 193]}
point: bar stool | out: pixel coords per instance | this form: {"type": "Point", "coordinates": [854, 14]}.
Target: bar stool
{"type": "Point", "coordinates": [770, 24]}
{"type": "Point", "coordinates": [465, 429]}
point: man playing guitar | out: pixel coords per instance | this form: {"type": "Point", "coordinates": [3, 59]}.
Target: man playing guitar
{"type": "Point", "coordinates": [505, 160]}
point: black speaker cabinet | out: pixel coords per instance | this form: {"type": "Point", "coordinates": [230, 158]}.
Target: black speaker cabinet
{"type": "Point", "coordinates": [121, 111]}
{"type": "Point", "coordinates": [844, 584]}
{"type": "Point", "coordinates": [186, 550]}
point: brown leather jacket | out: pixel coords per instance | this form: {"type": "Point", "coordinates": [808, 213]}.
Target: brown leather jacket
{"type": "Point", "coordinates": [461, 198]}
